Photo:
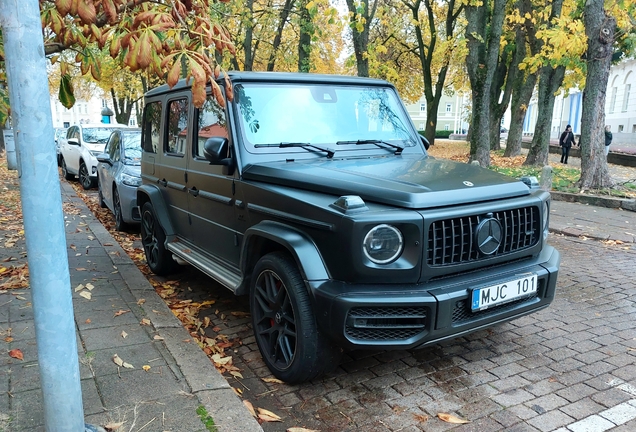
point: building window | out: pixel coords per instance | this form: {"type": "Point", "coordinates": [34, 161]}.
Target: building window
{"type": "Point", "coordinates": [421, 126]}
{"type": "Point", "coordinates": [422, 107]}
{"type": "Point", "coordinates": [449, 109]}
{"type": "Point", "coordinates": [620, 128]}
{"type": "Point", "coordinates": [634, 128]}
{"type": "Point", "coordinates": [628, 87]}
{"type": "Point", "coordinates": [446, 127]}
{"type": "Point", "coordinates": [613, 100]}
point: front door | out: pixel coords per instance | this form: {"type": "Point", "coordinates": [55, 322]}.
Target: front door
{"type": "Point", "coordinates": [211, 190]}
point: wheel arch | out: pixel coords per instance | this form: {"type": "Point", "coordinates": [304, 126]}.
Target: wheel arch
{"type": "Point", "coordinates": [267, 237]}
{"type": "Point", "coordinates": [152, 194]}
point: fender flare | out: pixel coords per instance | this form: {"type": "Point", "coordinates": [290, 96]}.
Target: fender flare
{"type": "Point", "coordinates": [152, 194]}
{"type": "Point", "coordinates": [300, 246]}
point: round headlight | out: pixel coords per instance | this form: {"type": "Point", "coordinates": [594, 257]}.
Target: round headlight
{"type": "Point", "coordinates": [383, 244]}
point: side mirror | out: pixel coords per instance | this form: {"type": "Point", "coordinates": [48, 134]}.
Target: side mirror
{"type": "Point", "coordinates": [104, 158]}
{"type": "Point", "coordinates": [73, 141]}
{"type": "Point", "coordinates": [425, 142]}
{"type": "Point", "coordinates": [215, 151]}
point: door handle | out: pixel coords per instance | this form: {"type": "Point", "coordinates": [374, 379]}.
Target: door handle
{"type": "Point", "coordinates": [193, 191]}
{"type": "Point", "coordinates": [163, 182]}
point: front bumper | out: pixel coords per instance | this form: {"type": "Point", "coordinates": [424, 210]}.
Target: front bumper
{"type": "Point", "coordinates": [409, 316]}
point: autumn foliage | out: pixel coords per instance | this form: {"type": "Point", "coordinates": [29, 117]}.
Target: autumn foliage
{"type": "Point", "coordinates": [167, 39]}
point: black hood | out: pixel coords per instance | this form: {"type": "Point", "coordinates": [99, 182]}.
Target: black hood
{"type": "Point", "coordinates": [409, 181]}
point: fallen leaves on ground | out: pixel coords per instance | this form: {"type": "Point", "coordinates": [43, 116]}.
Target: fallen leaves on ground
{"type": "Point", "coordinates": [113, 426]}
{"type": "Point", "coordinates": [267, 416]}
{"type": "Point", "coordinates": [16, 354]}
{"type": "Point", "coordinates": [272, 380]}
{"type": "Point", "coordinates": [120, 312]}
{"type": "Point", "coordinates": [250, 408]}
{"type": "Point", "coordinates": [422, 418]}
{"type": "Point", "coordinates": [14, 277]}
{"type": "Point", "coordinates": [119, 362]}
{"type": "Point", "coordinates": [449, 418]}
{"type": "Point", "coordinates": [187, 311]}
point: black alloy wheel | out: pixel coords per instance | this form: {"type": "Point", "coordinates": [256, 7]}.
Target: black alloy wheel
{"type": "Point", "coordinates": [153, 239]}
{"type": "Point", "coordinates": [85, 179]}
{"type": "Point", "coordinates": [284, 324]}
{"type": "Point", "coordinates": [120, 225]}
{"type": "Point", "coordinates": [65, 173]}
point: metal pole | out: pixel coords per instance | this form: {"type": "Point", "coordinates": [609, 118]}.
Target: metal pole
{"type": "Point", "coordinates": [42, 213]}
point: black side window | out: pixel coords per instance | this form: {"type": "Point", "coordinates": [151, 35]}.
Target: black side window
{"type": "Point", "coordinates": [211, 123]}
{"type": "Point", "coordinates": [73, 133]}
{"type": "Point", "coordinates": [177, 127]}
{"type": "Point", "coordinates": [115, 153]}
{"type": "Point", "coordinates": [151, 127]}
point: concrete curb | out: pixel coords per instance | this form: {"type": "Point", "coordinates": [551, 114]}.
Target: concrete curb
{"type": "Point", "coordinates": [617, 203]}
{"type": "Point", "coordinates": [206, 383]}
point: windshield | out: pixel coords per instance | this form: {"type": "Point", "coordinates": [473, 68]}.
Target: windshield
{"type": "Point", "coordinates": [320, 115]}
{"type": "Point", "coordinates": [96, 135]}
{"type": "Point", "coordinates": [132, 148]}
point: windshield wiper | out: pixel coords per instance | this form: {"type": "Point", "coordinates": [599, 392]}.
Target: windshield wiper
{"type": "Point", "coordinates": [379, 143]}
{"type": "Point", "coordinates": [307, 146]}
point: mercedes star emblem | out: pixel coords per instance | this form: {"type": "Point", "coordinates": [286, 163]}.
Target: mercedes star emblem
{"type": "Point", "coordinates": [488, 236]}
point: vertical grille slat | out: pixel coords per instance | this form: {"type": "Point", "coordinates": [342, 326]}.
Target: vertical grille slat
{"type": "Point", "coordinates": [452, 241]}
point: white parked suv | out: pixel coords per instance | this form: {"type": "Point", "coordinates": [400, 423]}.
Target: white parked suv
{"type": "Point", "coordinates": [78, 151]}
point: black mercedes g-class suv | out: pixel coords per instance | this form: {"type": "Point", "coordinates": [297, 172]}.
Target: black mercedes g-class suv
{"type": "Point", "coordinates": [314, 195]}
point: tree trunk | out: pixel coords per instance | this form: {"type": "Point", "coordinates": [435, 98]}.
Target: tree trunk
{"type": "Point", "coordinates": [282, 20]}
{"type": "Point", "coordinates": [549, 82]}
{"type": "Point", "coordinates": [304, 39]}
{"type": "Point", "coordinates": [523, 83]}
{"type": "Point", "coordinates": [483, 35]}
{"type": "Point", "coordinates": [361, 38]}
{"type": "Point", "coordinates": [550, 79]}
{"type": "Point", "coordinates": [248, 59]}
{"type": "Point", "coordinates": [521, 95]}
{"type": "Point", "coordinates": [123, 108]}
{"type": "Point", "coordinates": [600, 29]}
{"type": "Point", "coordinates": [426, 51]}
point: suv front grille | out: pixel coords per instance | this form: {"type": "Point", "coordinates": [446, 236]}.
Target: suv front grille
{"type": "Point", "coordinates": [385, 323]}
{"type": "Point", "coordinates": [452, 241]}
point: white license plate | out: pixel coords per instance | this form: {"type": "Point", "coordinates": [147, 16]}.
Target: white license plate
{"type": "Point", "coordinates": [486, 297]}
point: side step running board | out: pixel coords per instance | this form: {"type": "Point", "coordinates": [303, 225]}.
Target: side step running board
{"type": "Point", "coordinates": [218, 271]}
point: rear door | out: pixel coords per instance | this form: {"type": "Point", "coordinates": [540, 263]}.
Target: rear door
{"type": "Point", "coordinates": [172, 176]}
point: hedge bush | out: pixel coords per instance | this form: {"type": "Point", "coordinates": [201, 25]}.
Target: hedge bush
{"type": "Point", "coordinates": [440, 133]}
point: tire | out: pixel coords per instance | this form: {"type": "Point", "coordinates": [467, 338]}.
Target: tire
{"type": "Point", "coordinates": [153, 239]}
{"type": "Point", "coordinates": [67, 175]}
{"type": "Point", "coordinates": [84, 177]}
{"type": "Point", "coordinates": [284, 322]}
{"type": "Point", "coordinates": [120, 225]}
{"type": "Point", "coordinates": [100, 195]}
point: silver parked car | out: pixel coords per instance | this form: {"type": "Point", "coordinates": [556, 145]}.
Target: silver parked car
{"type": "Point", "coordinates": [119, 174]}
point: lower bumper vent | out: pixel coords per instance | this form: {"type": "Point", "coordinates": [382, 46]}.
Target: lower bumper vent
{"type": "Point", "coordinates": [385, 323]}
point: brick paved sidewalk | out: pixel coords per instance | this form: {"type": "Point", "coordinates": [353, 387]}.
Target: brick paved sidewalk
{"type": "Point", "coordinates": [165, 397]}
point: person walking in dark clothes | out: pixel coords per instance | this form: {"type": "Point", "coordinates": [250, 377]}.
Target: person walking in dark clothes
{"type": "Point", "coordinates": [566, 141]}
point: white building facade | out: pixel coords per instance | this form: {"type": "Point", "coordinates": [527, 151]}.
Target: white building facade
{"type": "Point", "coordinates": [451, 114]}
{"type": "Point", "coordinates": [620, 107]}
